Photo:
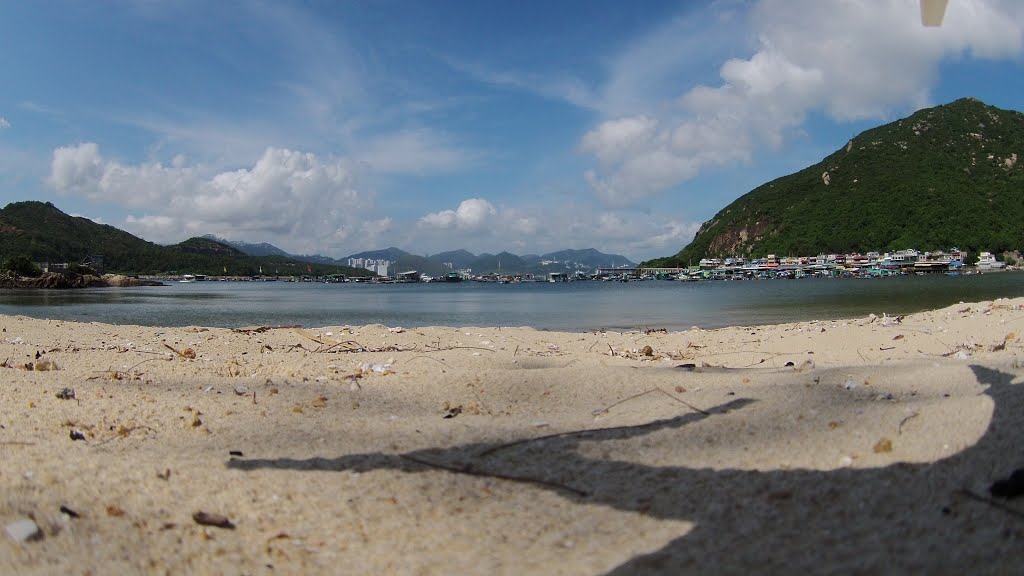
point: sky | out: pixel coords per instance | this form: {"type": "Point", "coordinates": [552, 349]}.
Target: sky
{"type": "Point", "coordinates": [332, 127]}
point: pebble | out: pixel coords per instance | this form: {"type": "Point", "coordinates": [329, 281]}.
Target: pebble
{"type": "Point", "coordinates": [241, 390]}
{"type": "Point", "coordinates": [24, 530]}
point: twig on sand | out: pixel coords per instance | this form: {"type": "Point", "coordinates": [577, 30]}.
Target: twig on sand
{"type": "Point", "coordinates": [445, 349]}
{"type": "Point", "coordinates": [469, 470]}
{"type": "Point", "coordinates": [899, 430]}
{"type": "Point", "coordinates": [187, 353]}
{"type": "Point", "coordinates": [499, 447]}
{"type": "Point", "coordinates": [16, 443]}
{"type": "Point", "coordinates": [651, 391]}
{"type": "Point", "coordinates": [429, 358]}
{"type": "Point", "coordinates": [261, 329]}
{"type": "Point", "coordinates": [993, 503]}
{"type": "Point", "coordinates": [123, 432]}
{"type": "Point", "coordinates": [346, 346]}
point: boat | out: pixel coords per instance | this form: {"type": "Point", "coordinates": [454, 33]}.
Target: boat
{"type": "Point", "coordinates": [187, 278]}
{"type": "Point", "coordinates": [453, 277]}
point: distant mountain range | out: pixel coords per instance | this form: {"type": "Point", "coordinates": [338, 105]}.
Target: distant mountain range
{"type": "Point", "coordinates": [585, 261]}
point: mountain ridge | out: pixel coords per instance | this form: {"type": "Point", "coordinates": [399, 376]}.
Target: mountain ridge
{"type": "Point", "coordinates": [943, 177]}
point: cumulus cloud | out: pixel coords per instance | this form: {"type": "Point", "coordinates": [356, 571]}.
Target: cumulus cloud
{"type": "Point", "coordinates": [471, 214]}
{"type": "Point", "coordinates": [294, 199]}
{"type": "Point", "coordinates": [850, 59]}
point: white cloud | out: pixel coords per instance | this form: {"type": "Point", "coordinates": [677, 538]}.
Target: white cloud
{"type": "Point", "coordinates": [4, 123]}
{"type": "Point", "coordinates": [418, 151]}
{"type": "Point", "coordinates": [296, 200]}
{"type": "Point", "coordinates": [559, 87]}
{"type": "Point", "coordinates": [851, 59]}
{"type": "Point", "coordinates": [471, 214]}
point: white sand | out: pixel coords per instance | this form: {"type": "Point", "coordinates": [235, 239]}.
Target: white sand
{"type": "Point", "coordinates": [860, 457]}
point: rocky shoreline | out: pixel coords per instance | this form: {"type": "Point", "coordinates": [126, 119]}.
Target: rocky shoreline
{"type": "Point", "coordinates": [58, 280]}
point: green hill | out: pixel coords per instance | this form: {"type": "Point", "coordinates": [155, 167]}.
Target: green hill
{"type": "Point", "coordinates": [45, 234]}
{"type": "Point", "coordinates": [949, 176]}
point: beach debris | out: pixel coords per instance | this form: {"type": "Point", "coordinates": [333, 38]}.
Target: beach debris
{"type": "Point", "coordinates": [789, 364]}
{"type": "Point", "coordinates": [76, 435]}
{"type": "Point", "coordinates": [452, 411]}
{"type": "Point", "coordinates": [165, 475]}
{"type": "Point", "coordinates": [187, 353]}
{"type": "Point", "coordinates": [378, 367]}
{"type": "Point", "coordinates": [850, 383]}
{"type": "Point", "coordinates": [24, 530]}
{"type": "Point", "coordinates": [45, 365]}
{"type": "Point", "coordinates": [235, 453]}
{"type": "Point", "coordinates": [212, 519]}
{"type": "Point", "coordinates": [241, 390]}
{"type": "Point", "coordinates": [898, 337]}
{"type": "Point", "coordinates": [396, 330]}
{"type": "Point", "coordinates": [1009, 488]}
{"type": "Point", "coordinates": [963, 355]}
{"type": "Point", "coordinates": [891, 320]}
{"type": "Point", "coordinates": [690, 367]}
{"type": "Point", "coordinates": [66, 394]}
{"type": "Point", "coordinates": [882, 446]}
{"type": "Point", "coordinates": [66, 510]}
{"type": "Point", "coordinates": [647, 351]}
{"type": "Point", "coordinates": [1002, 346]}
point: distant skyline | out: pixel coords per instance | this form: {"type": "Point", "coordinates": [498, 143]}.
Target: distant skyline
{"type": "Point", "coordinates": [339, 127]}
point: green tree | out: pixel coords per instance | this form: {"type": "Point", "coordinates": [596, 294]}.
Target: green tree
{"type": "Point", "coordinates": [22, 266]}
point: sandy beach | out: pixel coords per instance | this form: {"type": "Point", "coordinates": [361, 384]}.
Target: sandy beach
{"type": "Point", "coordinates": [867, 445]}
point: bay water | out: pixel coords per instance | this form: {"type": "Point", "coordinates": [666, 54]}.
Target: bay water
{"type": "Point", "coordinates": [569, 306]}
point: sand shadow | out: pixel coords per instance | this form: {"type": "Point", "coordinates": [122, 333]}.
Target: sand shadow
{"type": "Point", "coordinates": [928, 517]}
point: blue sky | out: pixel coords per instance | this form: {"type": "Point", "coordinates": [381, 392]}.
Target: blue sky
{"type": "Point", "coordinates": [334, 127]}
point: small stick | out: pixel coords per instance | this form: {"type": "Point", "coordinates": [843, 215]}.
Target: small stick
{"type": "Point", "coordinates": [16, 443]}
{"type": "Point", "coordinates": [992, 503]}
{"type": "Point", "coordinates": [429, 358]}
{"type": "Point", "coordinates": [612, 350]}
{"type": "Point", "coordinates": [494, 449]}
{"type": "Point", "coordinates": [472, 472]}
{"type": "Point", "coordinates": [899, 430]}
{"type": "Point", "coordinates": [350, 346]}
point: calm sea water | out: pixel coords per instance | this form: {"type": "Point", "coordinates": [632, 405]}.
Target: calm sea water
{"type": "Point", "coordinates": [573, 306]}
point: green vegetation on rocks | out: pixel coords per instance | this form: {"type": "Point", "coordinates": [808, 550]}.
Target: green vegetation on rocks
{"type": "Point", "coordinates": [949, 176]}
